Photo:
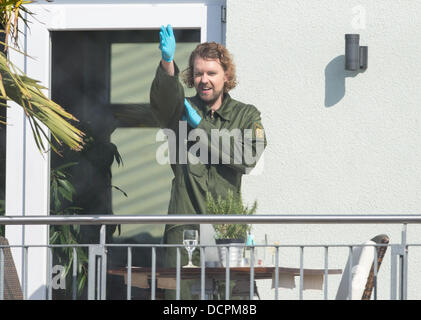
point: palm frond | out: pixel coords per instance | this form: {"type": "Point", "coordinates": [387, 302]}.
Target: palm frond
{"type": "Point", "coordinates": [26, 92]}
{"type": "Point", "coordinates": [16, 86]}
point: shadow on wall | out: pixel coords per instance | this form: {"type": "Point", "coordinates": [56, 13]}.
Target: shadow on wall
{"type": "Point", "coordinates": [335, 75]}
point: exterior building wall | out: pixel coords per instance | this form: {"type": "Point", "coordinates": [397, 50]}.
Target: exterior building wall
{"type": "Point", "coordinates": [339, 142]}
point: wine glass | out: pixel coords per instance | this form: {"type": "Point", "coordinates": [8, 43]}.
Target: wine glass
{"type": "Point", "coordinates": [190, 241]}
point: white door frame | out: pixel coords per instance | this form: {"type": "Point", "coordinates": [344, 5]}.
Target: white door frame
{"type": "Point", "coordinates": [27, 171]}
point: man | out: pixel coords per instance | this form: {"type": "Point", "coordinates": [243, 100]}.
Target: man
{"type": "Point", "coordinates": [213, 115]}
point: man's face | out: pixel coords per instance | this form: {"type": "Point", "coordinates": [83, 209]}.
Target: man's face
{"type": "Point", "coordinates": [209, 79]}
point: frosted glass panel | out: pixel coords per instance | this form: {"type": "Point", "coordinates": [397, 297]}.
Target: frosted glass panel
{"type": "Point", "coordinates": [133, 67]}
{"type": "Point", "coordinates": [147, 183]}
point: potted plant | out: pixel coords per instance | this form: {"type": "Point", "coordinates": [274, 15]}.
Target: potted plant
{"type": "Point", "coordinates": [230, 233]}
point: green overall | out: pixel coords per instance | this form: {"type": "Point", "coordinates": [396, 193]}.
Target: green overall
{"type": "Point", "coordinates": [221, 164]}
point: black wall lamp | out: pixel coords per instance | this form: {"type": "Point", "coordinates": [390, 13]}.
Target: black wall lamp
{"type": "Point", "coordinates": [355, 56]}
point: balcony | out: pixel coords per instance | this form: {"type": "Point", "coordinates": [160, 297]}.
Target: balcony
{"type": "Point", "coordinates": [261, 278]}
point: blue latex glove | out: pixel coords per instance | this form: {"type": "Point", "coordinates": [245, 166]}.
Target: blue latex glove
{"type": "Point", "coordinates": [167, 43]}
{"type": "Point", "coordinates": [191, 115]}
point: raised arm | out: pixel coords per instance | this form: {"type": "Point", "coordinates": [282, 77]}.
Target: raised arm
{"type": "Point", "coordinates": [167, 93]}
{"type": "Point", "coordinates": [168, 67]}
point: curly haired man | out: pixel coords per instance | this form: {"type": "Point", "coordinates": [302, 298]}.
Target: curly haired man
{"type": "Point", "coordinates": [211, 116]}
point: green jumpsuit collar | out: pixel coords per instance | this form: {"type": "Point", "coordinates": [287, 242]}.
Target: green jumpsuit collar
{"type": "Point", "coordinates": [224, 110]}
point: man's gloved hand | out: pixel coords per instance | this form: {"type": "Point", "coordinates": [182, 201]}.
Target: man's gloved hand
{"type": "Point", "coordinates": [191, 115]}
{"type": "Point", "coordinates": [167, 43]}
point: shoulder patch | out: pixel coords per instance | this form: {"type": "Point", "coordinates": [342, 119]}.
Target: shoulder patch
{"type": "Point", "coordinates": [259, 131]}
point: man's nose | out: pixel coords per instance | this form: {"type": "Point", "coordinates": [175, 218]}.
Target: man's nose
{"type": "Point", "coordinates": [204, 79]}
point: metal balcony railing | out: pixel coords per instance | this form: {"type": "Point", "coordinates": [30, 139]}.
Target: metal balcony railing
{"type": "Point", "coordinates": [98, 252]}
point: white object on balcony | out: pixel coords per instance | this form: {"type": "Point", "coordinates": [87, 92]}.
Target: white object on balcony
{"type": "Point", "coordinates": [362, 260]}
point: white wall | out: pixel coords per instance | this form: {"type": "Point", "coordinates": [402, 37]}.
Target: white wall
{"type": "Point", "coordinates": [338, 142]}
{"type": "Point", "coordinates": [27, 176]}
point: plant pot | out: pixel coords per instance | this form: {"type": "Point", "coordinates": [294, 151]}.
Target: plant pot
{"type": "Point", "coordinates": [235, 252]}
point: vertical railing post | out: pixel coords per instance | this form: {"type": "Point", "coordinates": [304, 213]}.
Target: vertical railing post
{"type": "Point", "coordinates": [403, 266]}
{"type": "Point", "coordinates": [252, 273]}
{"type": "Point", "coordinates": [399, 259]}
{"type": "Point", "coordinates": [95, 272]}
{"type": "Point", "coordinates": [178, 275]}
{"type": "Point", "coordinates": [202, 274]}
{"type": "Point", "coordinates": [99, 280]}
{"type": "Point", "coordinates": [326, 273]}
{"type": "Point", "coordinates": [49, 274]}
{"type": "Point", "coordinates": [301, 272]}
{"type": "Point", "coordinates": [227, 274]}
{"type": "Point", "coordinates": [91, 273]}
{"type": "Point", "coordinates": [277, 273]}
{"type": "Point", "coordinates": [129, 273]}
{"type": "Point", "coordinates": [376, 266]}
{"type": "Point", "coordinates": [351, 264]}
{"type": "Point", "coordinates": [25, 273]}
{"type": "Point", "coordinates": [153, 274]}
{"type": "Point", "coordinates": [1, 274]}
{"type": "Point", "coordinates": [103, 284]}
{"type": "Point", "coordinates": [74, 275]}
{"type": "Point", "coordinates": [394, 252]}
{"type": "Point", "coordinates": [405, 279]}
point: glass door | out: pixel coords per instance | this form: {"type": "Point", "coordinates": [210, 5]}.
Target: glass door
{"type": "Point", "coordinates": [104, 81]}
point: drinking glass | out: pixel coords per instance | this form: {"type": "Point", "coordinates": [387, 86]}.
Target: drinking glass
{"type": "Point", "coordinates": [190, 241]}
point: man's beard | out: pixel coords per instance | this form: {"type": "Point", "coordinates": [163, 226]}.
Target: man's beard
{"type": "Point", "coordinates": [211, 100]}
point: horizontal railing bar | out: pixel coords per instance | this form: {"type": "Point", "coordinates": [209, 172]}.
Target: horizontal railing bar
{"type": "Point", "coordinates": [47, 245]}
{"type": "Point", "coordinates": [205, 245]}
{"type": "Point", "coordinates": [255, 245]}
{"type": "Point", "coordinates": [206, 219]}
{"type": "Point", "coordinates": [199, 245]}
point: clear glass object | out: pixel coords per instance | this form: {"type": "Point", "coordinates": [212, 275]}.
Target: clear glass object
{"type": "Point", "coordinates": [190, 241]}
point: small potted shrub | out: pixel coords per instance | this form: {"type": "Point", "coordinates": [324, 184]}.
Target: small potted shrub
{"type": "Point", "coordinates": [230, 233]}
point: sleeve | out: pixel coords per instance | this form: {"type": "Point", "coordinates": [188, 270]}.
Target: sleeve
{"type": "Point", "coordinates": [167, 98]}
{"type": "Point", "coordinates": [239, 148]}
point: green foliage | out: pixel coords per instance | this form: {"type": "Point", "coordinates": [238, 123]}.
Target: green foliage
{"type": "Point", "coordinates": [62, 192]}
{"type": "Point", "coordinates": [231, 205]}
{"type": "Point", "coordinates": [16, 86]}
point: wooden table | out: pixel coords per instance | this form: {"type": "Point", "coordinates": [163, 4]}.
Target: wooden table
{"type": "Point", "coordinates": [219, 273]}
